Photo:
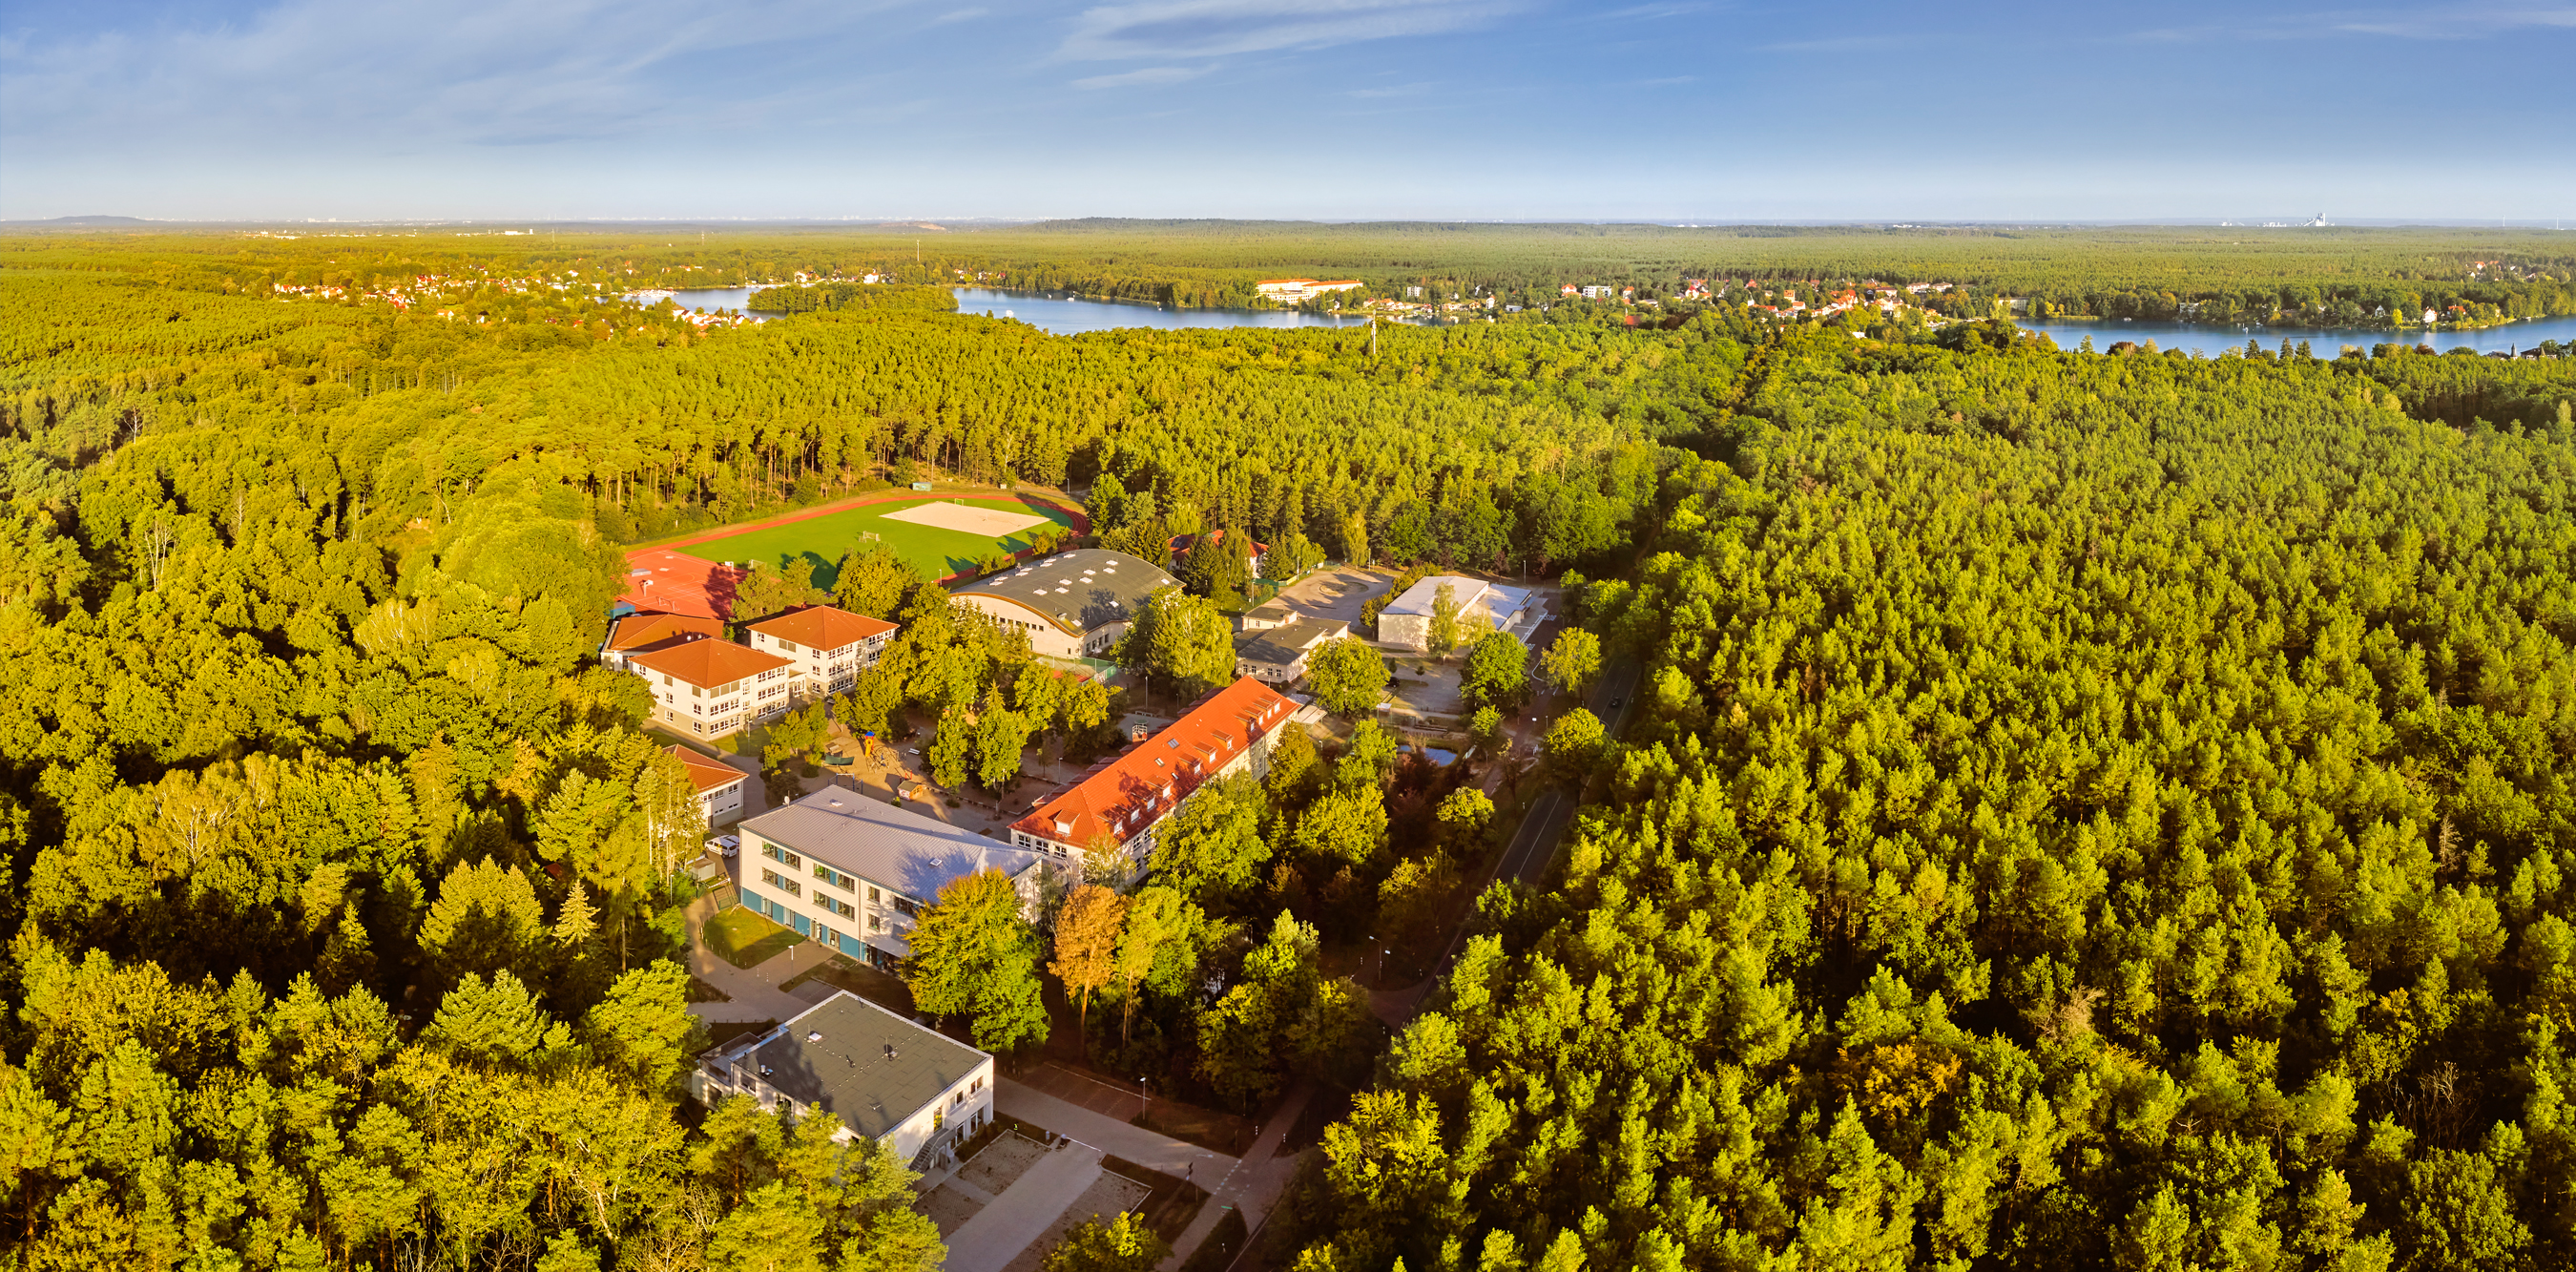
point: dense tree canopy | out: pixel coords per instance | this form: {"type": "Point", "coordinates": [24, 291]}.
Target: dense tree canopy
{"type": "Point", "coordinates": [2078, 810]}
{"type": "Point", "coordinates": [2084, 812]}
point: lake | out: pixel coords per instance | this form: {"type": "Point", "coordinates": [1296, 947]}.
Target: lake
{"type": "Point", "coordinates": [2210, 341]}
{"type": "Point", "coordinates": [1061, 313]}
{"type": "Point", "coordinates": [1064, 314]}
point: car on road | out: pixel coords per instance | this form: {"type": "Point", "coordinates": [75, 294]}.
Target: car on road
{"type": "Point", "coordinates": [1614, 703]}
{"type": "Point", "coordinates": [726, 846]}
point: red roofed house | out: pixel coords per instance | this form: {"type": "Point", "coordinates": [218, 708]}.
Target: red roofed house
{"type": "Point", "coordinates": [661, 581]}
{"type": "Point", "coordinates": [1184, 544]}
{"type": "Point", "coordinates": [1123, 799]}
{"type": "Point", "coordinates": [828, 646]}
{"type": "Point", "coordinates": [719, 785]}
{"type": "Point", "coordinates": [712, 687]}
{"type": "Point", "coordinates": [636, 633]}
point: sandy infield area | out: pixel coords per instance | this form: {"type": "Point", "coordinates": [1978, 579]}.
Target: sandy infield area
{"type": "Point", "coordinates": [992, 523]}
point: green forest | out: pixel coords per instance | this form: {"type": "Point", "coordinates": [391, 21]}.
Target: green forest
{"type": "Point", "coordinates": [2082, 810]}
{"type": "Point", "coordinates": [2290, 277]}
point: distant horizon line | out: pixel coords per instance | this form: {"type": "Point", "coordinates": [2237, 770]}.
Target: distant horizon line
{"type": "Point", "coordinates": [952, 224]}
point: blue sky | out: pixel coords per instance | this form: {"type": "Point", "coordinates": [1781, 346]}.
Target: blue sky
{"type": "Point", "coordinates": [1487, 109]}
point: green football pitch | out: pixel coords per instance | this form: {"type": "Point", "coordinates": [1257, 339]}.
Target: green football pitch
{"type": "Point", "coordinates": [826, 539]}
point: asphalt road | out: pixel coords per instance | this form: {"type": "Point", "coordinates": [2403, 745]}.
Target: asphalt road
{"type": "Point", "coordinates": [1533, 849]}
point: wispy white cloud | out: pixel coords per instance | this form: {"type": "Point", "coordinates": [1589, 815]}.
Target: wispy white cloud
{"type": "Point", "coordinates": [475, 72]}
{"type": "Point", "coordinates": [960, 15]}
{"type": "Point", "coordinates": [1162, 29]}
{"type": "Point", "coordinates": [2475, 21]}
{"type": "Point", "coordinates": [2458, 22]}
{"type": "Point", "coordinates": [1149, 76]}
{"type": "Point", "coordinates": [1397, 90]}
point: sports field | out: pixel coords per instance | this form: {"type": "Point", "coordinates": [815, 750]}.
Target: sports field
{"type": "Point", "coordinates": [909, 526]}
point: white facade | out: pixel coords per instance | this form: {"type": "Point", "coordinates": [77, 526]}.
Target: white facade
{"type": "Point", "coordinates": [854, 874]}
{"type": "Point", "coordinates": [915, 1091]}
{"type": "Point", "coordinates": [715, 710]}
{"type": "Point", "coordinates": [816, 673]}
{"type": "Point", "coordinates": [1407, 622]}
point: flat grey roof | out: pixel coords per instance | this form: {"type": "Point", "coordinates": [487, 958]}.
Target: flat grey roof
{"type": "Point", "coordinates": [1418, 598]}
{"type": "Point", "coordinates": [889, 846]}
{"type": "Point", "coordinates": [1259, 647]}
{"type": "Point", "coordinates": [1083, 589]}
{"type": "Point", "coordinates": [872, 1068]}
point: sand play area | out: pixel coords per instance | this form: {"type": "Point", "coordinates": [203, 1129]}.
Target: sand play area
{"type": "Point", "coordinates": [992, 523]}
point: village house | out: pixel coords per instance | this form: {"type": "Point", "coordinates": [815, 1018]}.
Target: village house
{"type": "Point", "coordinates": [1182, 545]}
{"type": "Point", "coordinates": [912, 1089]}
{"type": "Point", "coordinates": [1277, 655]}
{"type": "Point", "coordinates": [1274, 612]}
{"type": "Point", "coordinates": [719, 785]}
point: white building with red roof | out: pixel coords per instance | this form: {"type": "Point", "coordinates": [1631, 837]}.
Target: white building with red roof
{"type": "Point", "coordinates": [1117, 805]}
{"type": "Point", "coordinates": [709, 688]}
{"type": "Point", "coordinates": [826, 647]}
{"type": "Point", "coordinates": [632, 634]}
{"type": "Point", "coordinates": [719, 785]}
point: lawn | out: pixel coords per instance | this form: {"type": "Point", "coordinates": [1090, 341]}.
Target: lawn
{"type": "Point", "coordinates": [745, 939]}
{"type": "Point", "coordinates": [843, 972]}
{"type": "Point", "coordinates": [825, 540]}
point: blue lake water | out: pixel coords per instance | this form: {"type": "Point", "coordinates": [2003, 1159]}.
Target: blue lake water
{"type": "Point", "coordinates": [2210, 341]}
{"type": "Point", "coordinates": [1060, 313]}
{"type": "Point", "coordinates": [1065, 314]}
{"type": "Point", "coordinates": [712, 299]}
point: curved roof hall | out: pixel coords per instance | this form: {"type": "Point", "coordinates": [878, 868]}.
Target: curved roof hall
{"type": "Point", "coordinates": [1079, 591]}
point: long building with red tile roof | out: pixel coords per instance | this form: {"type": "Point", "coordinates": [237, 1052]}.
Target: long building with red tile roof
{"type": "Point", "coordinates": [1120, 802]}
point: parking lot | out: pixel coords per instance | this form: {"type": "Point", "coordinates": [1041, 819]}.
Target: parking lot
{"type": "Point", "coordinates": [1334, 593]}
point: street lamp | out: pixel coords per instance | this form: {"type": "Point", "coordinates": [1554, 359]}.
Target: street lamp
{"type": "Point", "coordinates": [1140, 1099]}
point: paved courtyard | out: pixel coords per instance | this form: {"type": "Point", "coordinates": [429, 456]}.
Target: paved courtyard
{"type": "Point", "coordinates": [1048, 1196]}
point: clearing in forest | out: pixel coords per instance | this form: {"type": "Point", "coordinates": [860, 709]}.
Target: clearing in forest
{"type": "Point", "coordinates": [940, 535]}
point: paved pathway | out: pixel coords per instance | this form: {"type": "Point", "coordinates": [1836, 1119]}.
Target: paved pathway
{"type": "Point", "coordinates": [1177, 1158]}
{"type": "Point", "coordinates": [995, 1235]}
{"type": "Point", "coordinates": [1254, 1185]}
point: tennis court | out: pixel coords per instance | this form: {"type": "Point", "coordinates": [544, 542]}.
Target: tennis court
{"type": "Point", "coordinates": [936, 550]}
